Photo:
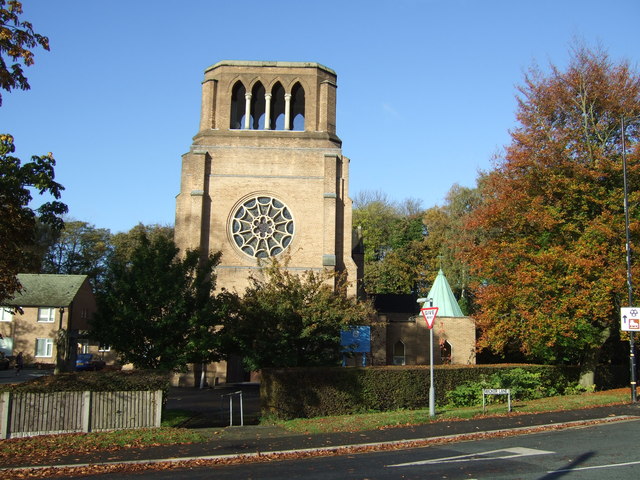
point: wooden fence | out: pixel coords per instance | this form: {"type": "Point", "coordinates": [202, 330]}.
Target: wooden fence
{"type": "Point", "coordinates": [29, 414]}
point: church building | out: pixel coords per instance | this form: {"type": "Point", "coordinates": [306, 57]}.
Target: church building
{"type": "Point", "coordinates": [265, 177]}
{"type": "Point", "coordinates": [265, 174]}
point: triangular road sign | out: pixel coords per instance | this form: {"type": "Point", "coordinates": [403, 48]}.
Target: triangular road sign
{"type": "Point", "coordinates": [429, 315]}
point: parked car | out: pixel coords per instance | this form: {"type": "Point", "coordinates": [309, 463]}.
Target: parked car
{"type": "Point", "coordinates": [85, 362]}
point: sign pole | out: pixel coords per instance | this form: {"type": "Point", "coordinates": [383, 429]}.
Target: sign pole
{"type": "Point", "coordinates": [430, 317]}
{"type": "Point", "coordinates": [432, 388]}
{"type": "Point", "coordinates": [630, 322]}
{"type": "Point", "coordinates": [632, 346]}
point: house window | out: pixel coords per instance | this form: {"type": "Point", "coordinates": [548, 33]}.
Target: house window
{"type": "Point", "coordinates": [262, 227]}
{"type": "Point", "coordinates": [44, 347]}
{"type": "Point", "coordinates": [6, 346]}
{"type": "Point", "coordinates": [6, 314]}
{"type": "Point", "coordinates": [104, 348]}
{"type": "Point", "coordinates": [277, 95]}
{"type": "Point", "coordinates": [297, 107]}
{"type": "Point", "coordinates": [258, 107]}
{"type": "Point", "coordinates": [445, 352]}
{"type": "Point", "coordinates": [46, 314]}
{"type": "Point", "coordinates": [238, 106]}
{"type": "Point", "coordinates": [83, 346]}
{"type": "Point", "coordinates": [398, 353]}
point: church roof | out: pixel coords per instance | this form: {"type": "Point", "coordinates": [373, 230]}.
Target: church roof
{"type": "Point", "coordinates": [396, 303]}
{"type": "Point", "coordinates": [46, 290]}
{"type": "Point", "coordinates": [261, 63]}
{"type": "Point", "coordinates": [443, 298]}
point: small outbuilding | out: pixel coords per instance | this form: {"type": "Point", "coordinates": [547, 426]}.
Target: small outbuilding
{"type": "Point", "coordinates": [402, 336]}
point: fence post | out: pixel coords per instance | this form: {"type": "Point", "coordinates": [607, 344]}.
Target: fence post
{"type": "Point", "coordinates": [86, 411]}
{"type": "Point", "coordinates": [4, 414]}
{"type": "Point", "coordinates": [158, 405]}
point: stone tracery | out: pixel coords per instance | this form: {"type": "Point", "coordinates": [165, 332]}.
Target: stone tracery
{"type": "Point", "coordinates": [262, 226]}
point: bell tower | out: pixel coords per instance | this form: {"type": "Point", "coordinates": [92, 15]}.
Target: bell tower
{"type": "Point", "coordinates": [265, 175]}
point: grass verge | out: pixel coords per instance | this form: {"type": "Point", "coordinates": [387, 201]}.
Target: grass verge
{"type": "Point", "coordinates": [34, 450]}
{"type": "Point", "coordinates": [378, 420]}
{"type": "Point", "coordinates": [176, 417]}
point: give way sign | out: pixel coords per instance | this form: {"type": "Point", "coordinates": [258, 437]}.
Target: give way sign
{"type": "Point", "coordinates": [429, 315]}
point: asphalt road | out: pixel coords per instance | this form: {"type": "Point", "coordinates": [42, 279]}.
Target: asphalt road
{"type": "Point", "coordinates": [602, 452]}
{"type": "Point", "coordinates": [10, 376]}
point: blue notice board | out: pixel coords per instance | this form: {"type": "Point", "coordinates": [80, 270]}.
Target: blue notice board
{"type": "Point", "coordinates": [356, 340]}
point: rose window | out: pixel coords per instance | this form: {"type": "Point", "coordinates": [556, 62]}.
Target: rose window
{"type": "Point", "coordinates": [262, 227]}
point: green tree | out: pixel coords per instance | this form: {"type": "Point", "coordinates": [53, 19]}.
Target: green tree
{"type": "Point", "coordinates": [548, 248]}
{"type": "Point", "coordinates": [18, 222]}
{"type": "Point", "coordinates": [374, 215]}
{"type": "Point", "coordinates": [290, 319]}
{"type": "Point", "coordinates": [125, 243]}
{"type": "Point", "coordinates": [17, 219]}
{"type": "Point", "coordinates": [157, 310]}
{"type": "Point", "coordinates": [445, 235]}
{"type": "Point", "coordinates": [80, 248]}
{"type": "Point", "coordinates": [393, 237]}
{"type": "Point", "coordinates": [44, 237]}
{"type": "Point", "coordinates": [17, 39]}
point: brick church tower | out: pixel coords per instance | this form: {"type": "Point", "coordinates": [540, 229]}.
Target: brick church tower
{"type": "Point", "coordinates": [265, 175]}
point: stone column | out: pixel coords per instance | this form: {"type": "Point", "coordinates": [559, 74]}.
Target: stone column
{"type": "Point", "coordinates": [267, 111]}
{"type": "Point", "coordinates": [287, 111]}
{"type": "Point", "coordinates": [247, 111]}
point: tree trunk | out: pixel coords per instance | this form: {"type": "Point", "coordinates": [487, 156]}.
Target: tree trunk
{"type": "Point", "coordinates": [590, 362]}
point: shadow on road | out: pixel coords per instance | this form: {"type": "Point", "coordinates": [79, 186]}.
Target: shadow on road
{"type": "Point", "coordinates": [561, 472]}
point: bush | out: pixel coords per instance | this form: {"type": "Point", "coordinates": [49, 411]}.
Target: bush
{"type": "Point", "coordinates": [523, 384]}
{"type": "Point", "coordinates": [311, 392]}
{"type": "Point", "coordinates": [105, 381]}
{"type": "Point", "coordinates": [467, 394]}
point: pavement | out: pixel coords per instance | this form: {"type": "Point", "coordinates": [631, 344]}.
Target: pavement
{"type": "Point", "coordinates": [10, 376]}
{"type": "Point", "coordinates": [244, 443]}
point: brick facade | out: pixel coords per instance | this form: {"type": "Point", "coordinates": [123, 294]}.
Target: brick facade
{"type": "Point", "coordinates": [300, 166]}
{"type": "Point", "coordinates": [267, 134]}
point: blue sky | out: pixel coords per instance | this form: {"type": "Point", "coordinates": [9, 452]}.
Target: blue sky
{"type": "Point", "coordinates": [426, 89]}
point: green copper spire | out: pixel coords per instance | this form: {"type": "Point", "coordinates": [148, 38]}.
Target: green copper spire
{"type": "Point", "coordinates": [443, 298]}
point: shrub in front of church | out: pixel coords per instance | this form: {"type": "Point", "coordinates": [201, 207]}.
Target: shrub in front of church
{"type": "Point", "coordinates": [313, 392]}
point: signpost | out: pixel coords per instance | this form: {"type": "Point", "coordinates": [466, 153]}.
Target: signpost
{"type": "Point", "coordinates": [356, 340]}
{"type": "Point", "coordinates": [496, 391]}
{"type": "Point", "coordinates": [630, 322]}
{"type": "Point", "coordinates": [429, 314]}
{"type": "Point", "coordinates": [630, 319]}
{"type": "Point", "coordinates": [632, 333]}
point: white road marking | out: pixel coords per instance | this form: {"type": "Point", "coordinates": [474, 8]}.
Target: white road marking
{"type": "Point", "coordinates": [595, 467]}
{"type": "Point", "coordinates": [472, 457]}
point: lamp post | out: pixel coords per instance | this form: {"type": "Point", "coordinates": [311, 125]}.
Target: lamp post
{"type": "Point", "coordinates": [632, 347]}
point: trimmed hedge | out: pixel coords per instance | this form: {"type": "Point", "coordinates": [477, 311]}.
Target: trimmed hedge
{"type": "Point", "coordinates": [101, 381]}
{"type": "Point", "coordinates": [313, 392]}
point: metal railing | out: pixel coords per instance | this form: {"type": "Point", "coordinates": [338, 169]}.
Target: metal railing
{"type": "Point", "coordinates": [231, 396]}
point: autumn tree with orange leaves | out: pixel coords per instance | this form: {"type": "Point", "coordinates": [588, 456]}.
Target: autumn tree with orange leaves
{"type": "Point", "coordinates": [548, 238]}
